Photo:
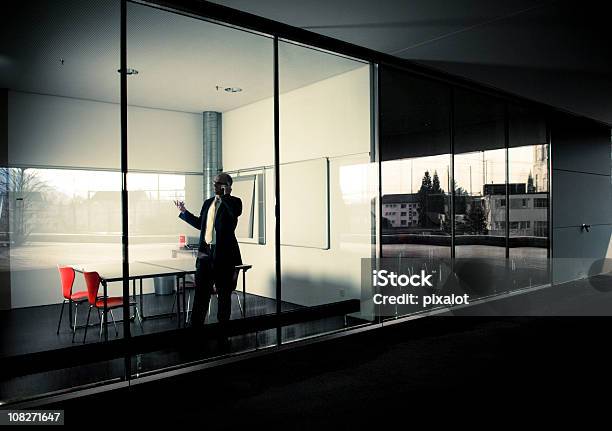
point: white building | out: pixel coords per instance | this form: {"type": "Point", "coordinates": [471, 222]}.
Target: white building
{"type": "Point", "coordinates": [402, 210]}
{"type": "Point", "coordinates": [528, 214]}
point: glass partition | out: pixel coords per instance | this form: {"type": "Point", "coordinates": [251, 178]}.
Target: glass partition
{"type": "Point", "coordinates": [464, 192]}
{"type": "Point", "coordinates": [200, 181]}
{"type": "Point", "coordinates": [328, 184]}
{"type": "Point", "coordinates": [528, 168]}
{"type": "Point", "coordinates": [59, 180]}
{"type": "Point", "coordinates": [480, 192]}
{"type": "Point", "coordinates": [500, 194]}
{"type": "Point", "coordinates": [200, 120]}
{"type": "Point", "coordinates": [415, 149]}
{"type": "Point", "coordinates": [415, 153]}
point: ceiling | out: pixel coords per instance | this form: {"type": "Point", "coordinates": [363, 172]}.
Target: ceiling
{"type": "Point", "coordinates": [555, 52]}
{"type": "Point", "coordinates": [71, 48]}
{"type": "Point", "coordinates": [550, 51]}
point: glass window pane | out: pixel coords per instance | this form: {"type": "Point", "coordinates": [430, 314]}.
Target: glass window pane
{"type": "Point", "coordinates": [415, 152]}
{"type": "Point", "coordinates": [480, 192]}
{"type": "Point", "coordinates": [200, 105]}
{"type": "Point", "coordinates": [529, 197]}
{"type": "Point", "coordinates": [328, 182]}
{"type": "Point", "coordinates": [415, 149]}
{"type": "Point", "coordinates": [59, 185]}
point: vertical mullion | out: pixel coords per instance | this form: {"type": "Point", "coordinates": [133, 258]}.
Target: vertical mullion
{"type": "Point", "coordinates": [507, 166]}
{"type": "Point", "coordinates": [451, 120]}
{"type": "Point", "coordinates": [124, 194]}
{"type": "Point", "coordinates": [377, 159]}
{"type": "Point", "coordinates": [124, 165]}
{"type": "Point", "coordinates": [277, 238]}
{"type": "Point", "coordinates": [549, 250]}
{"type": "Point", "coordinates": [377, 105]}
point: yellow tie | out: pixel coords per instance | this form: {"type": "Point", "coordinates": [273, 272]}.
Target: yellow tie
{"type": "Point", "coordinates": [210, 221]}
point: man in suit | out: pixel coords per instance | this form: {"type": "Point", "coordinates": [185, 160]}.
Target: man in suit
{"type": "Point", "coordinates": [218, 251]}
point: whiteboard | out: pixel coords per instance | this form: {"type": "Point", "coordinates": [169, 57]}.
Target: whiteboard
{"type": "Point", "coordinates": [304, 203]}
{"type": "Point", "coordinates": [244, 188]}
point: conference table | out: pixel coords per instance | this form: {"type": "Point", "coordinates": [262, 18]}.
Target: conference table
{"type": "Point", "coordinates": [139, 270]}
{"type": "Point", "coordinates": [111, 272]}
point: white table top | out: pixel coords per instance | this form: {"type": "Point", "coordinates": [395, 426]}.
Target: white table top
{"type": "Point", "coordinates": [113, 271]}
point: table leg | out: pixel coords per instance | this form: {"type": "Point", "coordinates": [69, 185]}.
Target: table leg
{"type": "Point", "coordinates": [243, 293]}
{"type": "Point", "coordinates": [184, 301]}
{"type": "Point", "coordinates": [185, 307]}
{"type": "Point", "coordinates": [133, 296]}
{"type": "Point", "coordinates": [142, 313]}
{"type": "Point", "coordinates": [105, 316]}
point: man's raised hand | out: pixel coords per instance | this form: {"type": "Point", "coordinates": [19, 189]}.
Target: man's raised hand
{"type": "Point", "coordinates": [180, 205]}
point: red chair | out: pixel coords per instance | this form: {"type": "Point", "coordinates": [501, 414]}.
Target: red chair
{"type": "Point", "coordinates": [92, 280]}
{"type": "Point", "coordinates": [67, 279]}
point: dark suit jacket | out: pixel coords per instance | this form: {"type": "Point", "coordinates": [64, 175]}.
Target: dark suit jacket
{"type": "Point", "coordinates": [227, 252]}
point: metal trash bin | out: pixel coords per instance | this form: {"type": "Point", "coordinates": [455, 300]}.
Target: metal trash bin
{"type": "Point", "coordinates": [164, 285]}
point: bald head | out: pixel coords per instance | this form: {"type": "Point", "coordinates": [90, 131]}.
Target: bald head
{"type": "Point", "coordinates": [225, 178]}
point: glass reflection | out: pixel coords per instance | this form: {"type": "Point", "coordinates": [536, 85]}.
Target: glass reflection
{"type": "Point", "coordinates": [415, 153]}
{"type": "Point", "coordinates": [480, 192]}
{"type": "Point", "coordinates": [183, 134]}
{"type": "Point", "coordinates": [328, 182]}
{"type": "Point", "coordinates": [528, 174]}
{"type": "Point", "coordinates": [415, 143]}
{"type": "Point", "coordinates": [480, 204]}
{"type": "Point", "coordinates": [415, 207]}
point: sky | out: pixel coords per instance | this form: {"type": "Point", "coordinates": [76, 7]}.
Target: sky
{"type": "Point", "coordinates": [472, 170]}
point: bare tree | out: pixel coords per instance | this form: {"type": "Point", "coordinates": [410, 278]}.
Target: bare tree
{"type": "Point", "coordinates": [21, 188]}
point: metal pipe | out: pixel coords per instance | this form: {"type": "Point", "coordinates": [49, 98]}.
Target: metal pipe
{"type": "Point", "coordinates": [212, 162]}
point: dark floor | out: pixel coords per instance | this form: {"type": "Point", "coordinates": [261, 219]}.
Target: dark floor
{"type": "Point", "coordinates": [27, 386]}
{"type": "Point", "coordinates": [28, 330]}
{"type": "Point", "coordinates": [432, 371]}
{"type": "Point", "coordinates": [34, 329]}
{"type": "Point", "coordinates": [448, 369]}
{"type": "Point", "coordinates": [466, 361]}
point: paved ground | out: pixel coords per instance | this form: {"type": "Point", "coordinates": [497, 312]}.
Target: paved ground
{"type": "Point", "coordinates": [483, 369]}
{"type": "Point", "coordinates": [487, 371]}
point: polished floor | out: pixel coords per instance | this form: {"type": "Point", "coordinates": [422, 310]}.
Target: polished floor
{"type": "Point", "coordinates": [145, 364]}
{"type": "Point", "coordinates": [479, 369]}
{"type": "Point", "coordinates": [445, 370]}
{"type": "Point", "coordinates": [490, 334]}
{"type": "Point", "coordinates": [34, 329]}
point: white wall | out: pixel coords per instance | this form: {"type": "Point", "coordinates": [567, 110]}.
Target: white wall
{"type": "Point", "coordinates": [164, 140]}
{"type": "Point", "coordinates": [330, 118]}
{"type": "Point", "coordinates": [62, 131]}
